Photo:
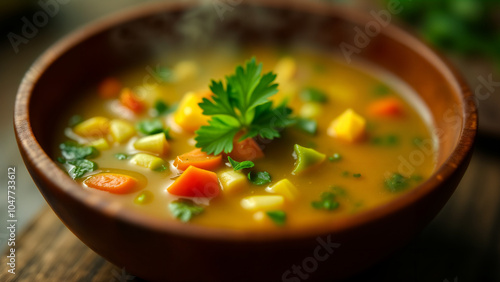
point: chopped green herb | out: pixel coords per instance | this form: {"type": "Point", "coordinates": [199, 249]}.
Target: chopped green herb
{"type": "Point", "coordinates": [307, 125]}
{"type": "Point", "coordinates": [240, 165]}
{"type": "Point", "coordinates": [150, 127]}
{"type": "Point", "coordinates": [381, 90]}
{"type": "Point", "coordinates": [160, 107]}
{"type": "Point", "coordinates": [161, 168]}
{"type": "Point", "coordinates": [335, 158]}
{"type": "Point", "coordinates": [311, 94]}
{"type": "Point", "coordinates": [121, 156]}
{"type": "Point", "coordinates": [242, 105]}
{"type": "Point", "coordinates": [74, 151]}
{"type": "Point", "coordinates": [387, 140]}
{"type": "Point", "coordinates": [345, 173]}
{"type": "Point", "coordinates": [145, 197]}
{"type": "Point", "coordinates": [167, 133]}
{"type": "Point", "coordinates": [259, 178]}
{"type": "Point", "coordinates": [80, 167]}
{"type": "Point", "coordinates": [396, 183]}
{"type": "Point", "coordinates": [326, 202]}
{"type": "Point", "coordinates": [357, 175]}
{"type": "Point", "coordinates": [278, 217]}
{"type": "Point", "coordinates": [164, 74]}
{"type": "Point", "coordinates": [184, 210]}
{"type": "Point", "coordinates": [61, 160]}
{"type": "Point", "coordinates": [75, 120]}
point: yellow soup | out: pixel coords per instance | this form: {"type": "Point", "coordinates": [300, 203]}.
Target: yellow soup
{"type": "Point", "coordinates": [337, 139]}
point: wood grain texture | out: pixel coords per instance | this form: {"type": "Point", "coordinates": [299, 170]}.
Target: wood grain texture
{"type": "Point", "coordinates": [462, 242]}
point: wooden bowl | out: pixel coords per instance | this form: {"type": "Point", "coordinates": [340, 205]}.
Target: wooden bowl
{"type": "Point", "coordinates": [167, 250]}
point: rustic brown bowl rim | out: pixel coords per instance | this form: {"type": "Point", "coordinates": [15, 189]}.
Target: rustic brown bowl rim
{"type": "Point", "coordinates": [47, 169]}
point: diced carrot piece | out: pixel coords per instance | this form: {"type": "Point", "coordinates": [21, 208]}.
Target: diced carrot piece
{"type": "Point", "coordinates": [111, 182]}
{"type": "Point", "coordinates": [130, 100]}
{"type": "Point", "coordinates": [246, 150]}
{"type": "Point", "coordinates": [199, 159]}
{"type": "Point", "coordinates": [196, 182]}
{"type": "Point", "coordinates": [387, 107]}
{"type": "Point", "coordinates": [109, 88]}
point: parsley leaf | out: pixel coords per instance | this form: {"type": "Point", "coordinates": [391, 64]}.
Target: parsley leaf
{"type": "Point", "coordinates": [150, 127]}
{"type": "Point", "coordinates": [74, 151]}
{"type": "Point", "coordinates": [81, 167]}
{"type": "Point", "coordinates": [259, 178]}
{"type": "Point", "coordinates": [160, 107]}
{"type": "Point", "coordinates": [311, 94]}
{"type": "Point", "coordinates": [184, 210]}
{"type": "Point", "coordinates": [278, 217]}
{"type": "Point", "coordinates": [240, 165]}
{"type": "Point", "coordinates": [327, 202]}
{"type": "Point", "coordinates": [307, 125]}
{"type": "Point", "coordinates": [396, 182]}
{"type": "Point", "coordinates": [241, 105]}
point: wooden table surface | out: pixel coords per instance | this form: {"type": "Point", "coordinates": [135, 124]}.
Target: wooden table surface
{"type": "Point", "coordinates": [461, 244]}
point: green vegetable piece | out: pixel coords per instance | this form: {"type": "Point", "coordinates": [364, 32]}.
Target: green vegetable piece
{"type": "Point", "coordinates": [75, 120]}
{"type": "Point", "coordinates": [145, 197]}
{"type": "Point", "coordinates": [243, 104]}
{"type": "Point", "coordinates": [240, 165]}
{"type": "Point", "coordinates": [80, 168]}
{"type": "Point", "coordinates": [387, 140]}
{"type": "Point", "coordinates": [311, 94]}
{"type": "Point", "coordinates": [160, 107]}
{"type": "Point", "coordinates": [167, 134]}
{"type": "Point", "coordinates": [259, 178]}
{"type": "Point", "coordinates": [278, 217]}
{"type": "Point", "coordinates": [121, 156]}
{"type": "Point", "coordinates": [357, 175]}
{"type": "Point", "coordinates": [306, 158]}
{"type": "Point", "coordinates": [163, 74]}
{"type": "Point", "coordinates": [150, 127]}
{"type": "Point", "coordinates": [396, 183]}
{"type": "Point", "coordinates": [161, 168]}
{"type": "Point", "coordinates": [307, 125]}
{"type": "Point", "coordinates": [184, 210]}
{"type": "Point", "coordinates": [327, 202]}
{"type": "Point", "coordinates": [381, 90]}
{"type": "Point", "coordinates": [335, 158]}
{"type": "Point", "coordinates": [74, 151]}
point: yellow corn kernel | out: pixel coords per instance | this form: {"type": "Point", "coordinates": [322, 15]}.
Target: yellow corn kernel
{"type": "Point", "coordinates": [147, 161]}
{"type": "Point", "coordinates": [93, 127]}
{"type": "Point", "coordinates": [349, 126]}
{"type": "Point", "coordinates": [286, 69]}
{"type": "Point", "coordinates": [262, 202]}
{"type": "Point", "coordinates": [284, 188]}
{"type": "Point", "coordinates": [156, 143]}
{"type": "Point", "coordinates": [100, 144]}
{"type": "Point", "coordinates": [121, 131]}
{"type": "Point", "coordinates": [189, 116]}
{"type": "Point", "coordinates": [233, 181]}
{"type": "Point", "coordinates": [310, 110]}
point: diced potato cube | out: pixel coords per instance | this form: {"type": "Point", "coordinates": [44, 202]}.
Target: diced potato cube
{"type": "Point", "coordinates": [93, 127]}
{"type": "Point", "coordinates": [286, 69]}
{"type": "Point", "coordinates": [310, 110]}
{"type": "Point", "coordinates": [285, 188]}
{"type": "Point", "coordinates": [147, 161]}
{"type": "Point", "coordinates": [185, 70]}
{"type": "Point", "coordinates": [121, 131]}
{"type": "Point", "coordinates": [100, 144]}
{"type": "Point", "coordinates": [148, 94]}
{"type": "Point", "coordinates": [265, 203]}
{"type": "Point", "coordinates": [349, 126]}
{"type": "Point", "coordinates": [233, 181]}
{"type": "Point", "coordinates": [156, 143]}
{"type": "Point", "coordinates": [189, 116]}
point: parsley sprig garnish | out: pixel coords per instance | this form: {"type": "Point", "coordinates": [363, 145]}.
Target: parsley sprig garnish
{"type": "Point", "coordinates": [241, 106]}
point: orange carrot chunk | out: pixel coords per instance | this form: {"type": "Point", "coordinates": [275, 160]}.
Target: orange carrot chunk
{"type": "Point", "coordinates": [111, 182]}
{"type": "Point", "coordinates": [129, 100]}
{"type": "Point", "coordinates": [246, 150]}
{"type": "Point", "coordinates": [195, 182]}
{"type": "Point", "coordinates": [198, 159]}
{"type": "Point", "coordinates": [387, 107]}
{"type": "Point", "coordinates": [109, 88]}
